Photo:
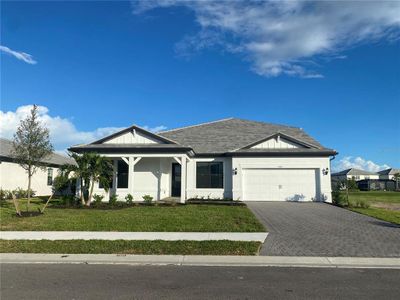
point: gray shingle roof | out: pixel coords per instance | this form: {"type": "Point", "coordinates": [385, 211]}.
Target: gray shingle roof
{"type": "Point", "coordinates": [232, 134]}
{"type": "Point", "coordinates": [54, 158]}
{"type": "Point", "coordinates": [390, 171]}
{"type": "Point", "coordinates": [353, 171]}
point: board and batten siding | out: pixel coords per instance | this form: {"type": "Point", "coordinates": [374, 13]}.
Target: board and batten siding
{"type": "Point", "coordinates": [132, 137]}
{"type": "Point", "coordinates": [276, 143]}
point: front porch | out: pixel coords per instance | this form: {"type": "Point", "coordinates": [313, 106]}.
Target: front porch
{"type": "Point", "coordinates": [158, 175]}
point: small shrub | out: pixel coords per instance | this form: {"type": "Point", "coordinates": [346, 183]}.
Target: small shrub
{"type": "Point", "coordinates": [359, 204]}
{"type": "Point", "coordinates": [113, 200]}
{"type": "Point", "coordinates": [129, 199]}
{"type": "Point", "coordinates": [339, 199]}
{"type": "Point", "coordinates": [98, 199]}
{"type": "Point", "coordinates": [69, 200]}
{"type": "Point", "coordinates": [147, 199]}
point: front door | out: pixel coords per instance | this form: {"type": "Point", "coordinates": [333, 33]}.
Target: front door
{"type": "Point", "coordinates": [176, 180]}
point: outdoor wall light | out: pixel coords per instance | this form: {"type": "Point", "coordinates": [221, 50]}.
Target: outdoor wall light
{"type": "Point", "coordinates": [325, 171]}
{"type": "Point", "coordinates": [234, 171]}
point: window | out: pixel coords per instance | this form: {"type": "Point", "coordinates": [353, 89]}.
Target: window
{"type": "Point", "coordinates": [209, 175]}
{"type": "Point", "coordinates": [49, 176]}
{"type": "Point", "coordinates": [123, 173]}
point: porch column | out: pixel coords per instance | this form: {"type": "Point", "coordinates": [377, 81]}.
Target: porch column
{"type": "Point", "coordinates": [131, 168]}
{"type": "Point", "coordinates": [183, 179]}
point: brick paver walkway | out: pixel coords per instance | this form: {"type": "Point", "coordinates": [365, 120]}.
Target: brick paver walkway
{"type": "Point", "coordinates": [318, 229]}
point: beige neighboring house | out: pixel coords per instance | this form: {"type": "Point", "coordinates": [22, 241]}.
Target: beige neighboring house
{"type": "Point", "coordinates": [388, 173]}
{"type": "Point", "coordinates": [355, 174]}
{"type": "Point", "coordinates": [13, 176]}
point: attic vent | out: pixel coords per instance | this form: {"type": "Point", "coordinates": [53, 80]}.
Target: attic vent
{"type": "Point", "coordinates": [134, 132]}
{"type": "Point", "coordinates": [278, 138]}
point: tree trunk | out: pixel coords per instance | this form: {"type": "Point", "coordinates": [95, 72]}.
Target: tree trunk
{"type": "Point", "coordinates": [90, 193]}
{"type": "Point", "coordinates": [29, 190]}
{"type": "Point", "coordinates": [82, 198]}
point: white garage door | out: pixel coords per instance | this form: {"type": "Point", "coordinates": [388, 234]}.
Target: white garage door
{"type": "Point", "coordinates": [279, 184]}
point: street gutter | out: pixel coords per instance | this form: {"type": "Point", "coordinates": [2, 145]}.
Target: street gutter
{"type": "Point", "coordinates": [203, 260]}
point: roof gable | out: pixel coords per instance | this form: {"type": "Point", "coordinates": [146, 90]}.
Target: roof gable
{"type": "Point", "coordinates": [134, 135]}
{"type": "Point", "coordinates": [279, 141]}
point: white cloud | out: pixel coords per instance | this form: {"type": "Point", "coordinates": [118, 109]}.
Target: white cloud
{"type": "Point", "coordinates": [19, 55]}
{"type": "Point", "coordinates": [349, 162]}
{"type": "Point", "coordinates": [285, 37]}
{"type": "Point", "coordinates": [63, 133]}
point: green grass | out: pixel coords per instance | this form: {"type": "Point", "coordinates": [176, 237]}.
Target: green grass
{"type": "Point", "coordinates": [132, 247]}
{"type": "Point", "coordinates": [389, 199]}
{"type": "Point", "coordinates": [375, 196]}
{"type": "Point", "coordinates": [380, 213]}
{"type": "Point", "coordinates": [190, 218]}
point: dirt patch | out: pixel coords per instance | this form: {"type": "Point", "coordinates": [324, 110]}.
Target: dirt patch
{"type": "Point", "coordinates": [28, 214]}
{"type": "Point", "coordinates": [389, 206]}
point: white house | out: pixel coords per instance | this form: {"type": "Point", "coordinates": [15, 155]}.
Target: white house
{"type": "Point", "coordinates": [13, 176]}
{"type": "Point", "coordinates": [388, 173]}
{"type": "Point", "coordinates": [355, 174]}
{"type": "Point", "coordinates": [230, 158]}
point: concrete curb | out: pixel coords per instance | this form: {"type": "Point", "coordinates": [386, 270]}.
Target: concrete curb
{"type": "Point", "coordinates": [149, 236]}
{"type": "Point", "coordinates": [200, 260]}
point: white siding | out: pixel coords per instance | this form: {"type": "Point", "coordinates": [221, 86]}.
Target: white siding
{"type": "Point", "coordinates": [362, 177]}
{"type": "Point", "coordinates": [151, 176]}
{"type": "Point", "coordinates": [12, 176]}
{"type": "Point", "coordinates": [225, 192]}
{"type": "Point", "coordinates": [277, 143]}
{"type": "Point", "coordinates": [323, 182]}
{"type": "Point", "coordinates": [133, 138]}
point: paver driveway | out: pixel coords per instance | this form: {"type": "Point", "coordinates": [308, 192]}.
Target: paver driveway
{"type": "Point", "coordinates": [319, 229]}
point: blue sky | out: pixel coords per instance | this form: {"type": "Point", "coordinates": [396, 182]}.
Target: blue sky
{"type": "Point", "coordinates": [95, 67]}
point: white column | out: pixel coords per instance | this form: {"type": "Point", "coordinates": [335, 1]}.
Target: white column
{"type": "Point", "coordinates": [131, 169]}
{"type": "Point", "coordinates": [183, 179]}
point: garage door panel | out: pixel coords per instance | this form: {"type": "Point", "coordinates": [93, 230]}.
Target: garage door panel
{"type": "Point", "coordinates": [279, 184]}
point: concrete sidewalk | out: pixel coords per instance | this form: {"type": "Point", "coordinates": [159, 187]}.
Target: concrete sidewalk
{"type": "Point", "coordinates": [203, 260]}
{"type": "Point", "coordinates": [149, 236]}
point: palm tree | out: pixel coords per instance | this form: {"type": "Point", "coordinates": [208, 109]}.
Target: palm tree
{"type": "Point", "coordinates": [89, 168]}
{"type": "Point", "coordinates": [79, 171]}
{"type": "Point", "coordinates": [100, 170]}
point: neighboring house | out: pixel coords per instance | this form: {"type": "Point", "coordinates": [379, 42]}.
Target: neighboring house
{"type": "Point", "coordinates": [377, 185]}
{"type": "Point", "coordinates": [355, 174]}
{"type": "Point", "coordinates": [13, 176]}
{"type": "Point", "coordinates": [388, 173]}
{"type": "Point", "coordinates": [230, 158]}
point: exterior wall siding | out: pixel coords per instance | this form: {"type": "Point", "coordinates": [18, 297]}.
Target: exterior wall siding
{"type": "Point", "coordinates": [13, 176]}
{"type": "Point", "coordinates": [275, 143]}
{"type": "Point", "coordinates": [193, 191]}
{"type": "Point", "coordinates": [132, 138]}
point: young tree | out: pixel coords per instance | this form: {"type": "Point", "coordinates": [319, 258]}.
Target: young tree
{"type": "Point", "coordinates": [31, 145]}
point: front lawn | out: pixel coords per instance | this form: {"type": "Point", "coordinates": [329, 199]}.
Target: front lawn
{"type": "Point", "coordinates": [374, 197]}
{"type": "Point", "coordinates": [383, 205]}
{"type": "Point", "coordinates": [180, 218]}
{"type": "Point", "coordinates": [392, 216]}
{"type": "Point", "coordinates": [132, 247]}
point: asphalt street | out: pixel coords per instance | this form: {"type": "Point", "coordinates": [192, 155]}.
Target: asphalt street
{"type": "Point", "coordinates": [81, 281]}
